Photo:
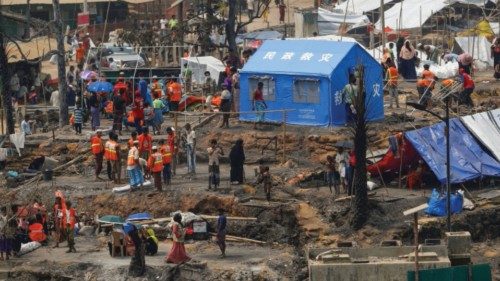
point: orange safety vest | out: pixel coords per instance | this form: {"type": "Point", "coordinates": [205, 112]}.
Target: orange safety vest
{"type": "Point", "coordinates": [392, 76]}
{"type": "Point", "coordinates": [166, 153]}
{"type": "Point", "coordinates": [176, 92]}
{"type": "Point", "coordinates": [155, 162]}
{"type": "Point", "coordinates": [145, 142]}
{"type": "Point", "coordinates": [36, 232]}
{"type": "Point", "coordinates": [447, 83]}
{"type": "Point", "coordinates": [428, 78]}
{"type": "Point", "coordinates": [131, 158]}
{"type": "Point", "coordinates": [96, 145]}
{"type": "Point", "coordinates": [111, 149]}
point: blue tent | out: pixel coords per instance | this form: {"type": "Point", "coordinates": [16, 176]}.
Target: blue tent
{"type": "Point", "coordinates": [468, 160]}
{"type": "Point", "coordinates": [308, 77]}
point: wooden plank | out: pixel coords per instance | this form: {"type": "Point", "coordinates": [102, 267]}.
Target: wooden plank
{"type": "Point", "coordinates": [230, 218]}
{"type": "Point", "coordinates": [415, 209]}
{"type": "Point", "coordinates": [351, 196]}
{"type": "Point", "coordinates": [241, 239]}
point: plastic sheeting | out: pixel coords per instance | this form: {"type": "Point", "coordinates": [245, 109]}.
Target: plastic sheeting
{"type": "Point", "coordinates": [201, 64]}
{"type": "Point", "coordinates": [485, 126]}
{"type": "Point", "coordinates": [330, 22]}
{"type": "Point", "coordinates": [326, 64]}
{"type": "Point", "coordinates": [468, 160]}
{"type": "Point", "coordinates": [478, 46]}
{"type": "Point", "coordinates": [360, 6]}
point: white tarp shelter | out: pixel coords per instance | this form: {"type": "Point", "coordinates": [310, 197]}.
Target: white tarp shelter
{"type": "Point", "coordinates": [416, 12]}
{"type": "Point", "coordinates": [360, 6]}
{"type": "Point", "coordinates": [201, 64]}
{"type": "Point", "coordinates": [485, 126]}
{"type": "Point", "coordinates": [330, 22]}
{"type": "Point", "coordinates": [478, 46]}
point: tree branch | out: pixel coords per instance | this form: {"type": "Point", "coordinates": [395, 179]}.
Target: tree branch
{"type": "Point", "coordinates": [23, 56]}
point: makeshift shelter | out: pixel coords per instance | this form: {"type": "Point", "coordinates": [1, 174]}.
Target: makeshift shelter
{"type": "Point", "coordinates": [308, 79]}
{"type": "Point", "coordinates": [333, 22]}
{"type": "Point", "coordinates": [468, 160]}
{"type": "Point", "coordinates": [201, 64]}
{"type": "Point", "coordinates": [360, 6]}
{"type": "Point", "coordinates": [477, 46]}
{"type": "Point", "coordinates": [485, 126]}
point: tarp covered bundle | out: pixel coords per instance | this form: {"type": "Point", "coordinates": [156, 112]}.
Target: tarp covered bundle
{"type": "Point", "coordinates": [308, 78]}
{"type": "Point", "coordinates": [331, 22]}
{"type": "Point", "coordinates": [468, 160]}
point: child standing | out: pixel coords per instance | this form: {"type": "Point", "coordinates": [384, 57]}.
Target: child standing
{"type": "Point", "coordinates": [214, 152]}
{"type": "Point", "coordinates": [78, 115]}
{"type": "Point", "coordinates": [265, 178]}
{"type": "Point", "coordinates": [331, 175]}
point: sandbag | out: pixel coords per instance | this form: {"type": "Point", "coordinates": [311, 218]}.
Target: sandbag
{"type": "Point", "coordinates": [29, 247]}
{"type": "Point", "coordinates": [437, 204]}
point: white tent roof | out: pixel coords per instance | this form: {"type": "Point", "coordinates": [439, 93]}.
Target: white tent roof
{"type": "Point", "coordinates": [201, 64]}
{"type": "Point", "coordinates": [411, 17]}
{"type": "Point", "coordinates": [477, 46]}
{"type": "Point", "coordinates": [329, 22]}
{"type": "Point", "coordinates": [360, 6]}
{"type": "Point", "coordinates": [486, 127]}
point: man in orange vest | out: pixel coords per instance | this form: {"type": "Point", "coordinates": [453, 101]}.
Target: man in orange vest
{"type": "Point", "coordinates": [97, 148]}
{"type": "Point", "coordinates": [175, 95]}
{"type": "Point", "coordinates": [425, 85]}
{"type": "Point", "coordinates": [133, 166]}
{"type": "Point", "coordinates": [167, 159]}
{"type": "Point", "coordinates": [114, 157]}
{"type": "Point", "coordinates": [70, 220]}
{"type": "Point", "coordinates": [145, 143]}
{"type": "Point", "coordinates": [155, 165]}
{"type": "Point", "coordinates": [392, 84]}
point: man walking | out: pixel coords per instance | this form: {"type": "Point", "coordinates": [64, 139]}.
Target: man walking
{"type": "Point", "coordinates": [167, 160]}
{"type": "Point", "coordinates": [133, 166]}
{"type": "Point", "coordinates": [97, 148]}
{"type": "Point", "coordinates": [214, 152]}
{"type": "Point", "coordinates": [155, 165]}
{"type": "Point", "coordinates": [114, 157]}
{"type": "Point", "coordinates": [190, 139]}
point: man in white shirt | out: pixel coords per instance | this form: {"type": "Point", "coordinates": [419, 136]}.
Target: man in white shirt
{"type": "Point", "coordinates": [214, 152]}
{"type": "Point", "coordinates": [25, 125]}
{"type": "Point", "coordinates": [54, 98]}
{"type": "Point", "coordinates": [190, 139]}
{"type": "Point", "coordinates": [163, 26]}
{"type": "Point", "coordinates": [342, 160]}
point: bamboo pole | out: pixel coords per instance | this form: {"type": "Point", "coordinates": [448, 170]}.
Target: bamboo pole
{"type": "Point", "coordinates": [415, 233]}
{"type": "Point", "coordinates": [284, 136]}
{"type": "Point", "coordinates": [174, 166]}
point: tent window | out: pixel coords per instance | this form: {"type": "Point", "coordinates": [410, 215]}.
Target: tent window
{"type": "Point", "coordinates": [269, 90]}
{"type": "Point", "coordinates": [306, 91]}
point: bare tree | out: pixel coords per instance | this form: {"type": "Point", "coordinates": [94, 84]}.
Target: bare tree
{"type": "Point", "coordinates": [360, 128]}
{"type": "Point", "coordinates": [5, 82]}
{"type": "Point", "coordinates": [61, 66]}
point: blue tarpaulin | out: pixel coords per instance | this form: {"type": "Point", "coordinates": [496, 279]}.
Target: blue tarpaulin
{"type": "Point", "coordinates": [468, 160]}
{"type": "Point", "coordinates": [308, 77]}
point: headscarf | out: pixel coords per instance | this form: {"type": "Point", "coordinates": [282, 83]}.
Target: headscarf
{"type": "Point", "coordinates": [151, 233]}
{"type": "Point", "coordinates": [406, 53]}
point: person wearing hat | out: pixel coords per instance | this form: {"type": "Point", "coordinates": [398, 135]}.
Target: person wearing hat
{"type": "Point", "coordinates": [133, 166]}
{"type": "Point", "coordinates": [221, 232]}
{"type": "Point", "coordinates": [97, 149]}
{"type": "Point", "coordinates": [155, 166]}
{"type": "Point", "coordinates": [225, 106]}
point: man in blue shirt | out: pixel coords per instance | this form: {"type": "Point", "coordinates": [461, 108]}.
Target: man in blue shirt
{"type": "Point", "coordinates": [143, 87]}
{"type": "Point", "coordinates": [221, 232]}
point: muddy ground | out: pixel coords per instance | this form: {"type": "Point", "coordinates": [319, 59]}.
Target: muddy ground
{"type": "Point", "coordinates": [302, 214]}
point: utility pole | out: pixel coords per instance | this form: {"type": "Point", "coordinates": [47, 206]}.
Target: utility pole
{"type": "Point", "coordinates": [61, 65]}
{"type": "Point", "coordinates": [382, 20]}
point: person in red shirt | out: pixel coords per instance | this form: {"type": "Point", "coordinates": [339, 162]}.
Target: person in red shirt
{"type": "Point", "coordinates": [468, 88]}
{"type": "Point", "coordinates": [145, 143]}
{"type": "Point", "coordinates": [138, 113]}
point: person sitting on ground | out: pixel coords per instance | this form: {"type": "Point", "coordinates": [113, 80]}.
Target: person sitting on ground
{"type": "Point", "coordinates": [151, 242]}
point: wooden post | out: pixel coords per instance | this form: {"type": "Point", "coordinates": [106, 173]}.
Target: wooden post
{"type": "Point", "coordinates": [174, 163]}
{"type": "Point", "coordinates": [415, 233]}
{"type": "Point", "coordinates": [284, 136]}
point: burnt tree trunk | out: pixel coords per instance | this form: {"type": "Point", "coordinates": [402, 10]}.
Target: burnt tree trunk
{"type": "Point", "coordinates": [231, 29]}
{"type": "Point", "coordinates": [360, 134]}
{"type": "Point", "coordinates": [28, 20]}
{"type": "Point", "coordinates": [5, 82]}
{"type": "Point", "coordinates": [61, 66]}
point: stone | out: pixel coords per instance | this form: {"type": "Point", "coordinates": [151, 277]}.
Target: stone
{"type": "Point", "coordinates": [87, 230]}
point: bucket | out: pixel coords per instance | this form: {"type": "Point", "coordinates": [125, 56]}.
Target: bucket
{"type": "Point", "coordinates": [47, 175]}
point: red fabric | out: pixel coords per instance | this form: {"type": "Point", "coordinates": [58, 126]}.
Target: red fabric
{"type": "Point", "coordinates": [36, 232]}
{"type": "Point", "coordinates": [145, 142]}
{"type": "Point", "coordinates": [137, 109]}
{"type": "Point", "coordinates": [178, 253]}
{"type": "Point", "coordinates": [391, 163]}
{"type": "Point", "coordinates": [171, 142]}
{"type": "Point", "coordinates": [352, 158]}
{"type": "Point", "coordinates": [468, 82]}
{"type": "Point", "coordinates": [257, 95]}
{"type": "Point", "coordinates": [176, 93]}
